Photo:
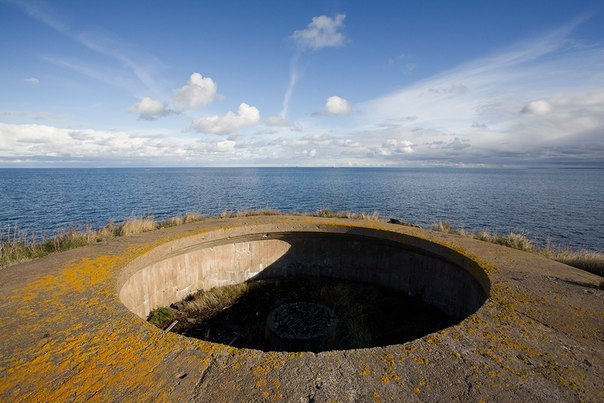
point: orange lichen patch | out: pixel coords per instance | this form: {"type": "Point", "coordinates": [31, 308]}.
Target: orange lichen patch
{"type": "Point", "coordinates": [421, 361]}
{"type": "Point", "coordinates": [434, 339]}
{"type": "Point", "coordinates": [90, 363]}
{"type": "Point", "coordinates": [75, 277]}
{"type": "Point", "coordinates": [365, 370]}
{"type": "Point", "coordinates": [260, 370]}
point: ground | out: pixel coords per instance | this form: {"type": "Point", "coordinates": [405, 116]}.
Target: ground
{"type": "Point", "coordinates": [66, 336]}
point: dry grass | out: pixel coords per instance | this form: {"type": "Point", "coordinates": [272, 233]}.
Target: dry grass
{"type": "Point", "coordinates": [214, 300]}
{"type": "Point", "coordinates": [137, 225]}
{"type": "Point", "coordinates": [172, 221]}
{"type": "Point", "coordinates": [590, 261]}
{"type": "Point", "coordinates": [192, 216]}
{"type": "Point", "coordinates": [375, 216]}
{"type": "Point", "coordinates": [248, 213]}
{"type": "Point", "coordinates": [18, 246]}
{"type": "Point", "coordinates": [442, 226]}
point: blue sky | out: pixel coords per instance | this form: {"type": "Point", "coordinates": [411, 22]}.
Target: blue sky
{"type": "Point", "coordinates": [290, 83]}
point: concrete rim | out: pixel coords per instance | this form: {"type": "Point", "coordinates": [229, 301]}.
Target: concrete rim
{"type": "Point", "coordinates": [67, 336]}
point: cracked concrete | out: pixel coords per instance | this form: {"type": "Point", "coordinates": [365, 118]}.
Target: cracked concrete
{"type": "Point", "coordinates": [66, 335]}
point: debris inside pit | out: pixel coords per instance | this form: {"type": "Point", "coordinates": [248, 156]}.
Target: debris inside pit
{"type": "Point", "coordinates": [337, 315]}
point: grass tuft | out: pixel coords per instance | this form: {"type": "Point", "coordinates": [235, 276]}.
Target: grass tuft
{"type": "Point", "coordinates": [136, 225]}
{"type": "Point", "coordinates": [161, 317]}
{"type": "Point", "coordinates": [214, 300]}
{"type": "Point", "coordinates": [248, 213]}
{"type": "Point", "coordinates": [192, 216]}
{"type": "Point", "coordinates": [443, 226]}
{"type": "Point", "coordinates": [172, 221]}
{"type": "Point", "coordinates": [590, 261]}
{"type": "Point", "coordinates": [323, 212]}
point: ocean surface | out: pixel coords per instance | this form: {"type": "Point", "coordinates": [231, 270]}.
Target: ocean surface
{"type": "Point", "coordinates": [564, 206]}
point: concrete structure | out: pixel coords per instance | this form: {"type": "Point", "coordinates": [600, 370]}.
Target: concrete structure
{"type": "Point", "coordinates": [72, 328]}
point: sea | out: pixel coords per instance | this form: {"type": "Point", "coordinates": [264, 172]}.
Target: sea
{"type": "Point", "coordinates": [563, 207]}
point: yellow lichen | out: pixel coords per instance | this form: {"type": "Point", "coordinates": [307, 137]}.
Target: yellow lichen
{"type": "Point", "coordinates": [365, 370]}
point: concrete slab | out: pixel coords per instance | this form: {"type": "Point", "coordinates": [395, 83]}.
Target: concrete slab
{"type": "Point", "coordinates": [67, 336]}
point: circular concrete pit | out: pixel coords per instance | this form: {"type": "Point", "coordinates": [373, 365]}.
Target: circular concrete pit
{"type": "Point", "coordinates": [417, 274]}
{"type": "Point", "coordinates": [73, 327]}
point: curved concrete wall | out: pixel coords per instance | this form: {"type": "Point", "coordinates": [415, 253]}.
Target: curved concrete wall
{"type": "Point", "coordinates": [437, 275]}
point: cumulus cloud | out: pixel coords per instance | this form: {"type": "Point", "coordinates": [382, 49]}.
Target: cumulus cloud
{"type": "Point", "coordinates": [321, 32]}
{"type": "Point", "coordinates": [337, 106]}
{"type": "Point", "coordinates": [539, 107]}
{"type": "Point", "coordinates": [149, 109]}
{"type": "Point", "coordinates": [32, 81]}
{"type": "Point", "coordinates": [198, 91]}
{"type": "Point", "coordinates": [246, 116]}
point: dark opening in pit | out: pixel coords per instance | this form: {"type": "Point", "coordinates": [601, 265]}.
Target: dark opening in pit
{"type": "Point", "coordinates": [304, 314]}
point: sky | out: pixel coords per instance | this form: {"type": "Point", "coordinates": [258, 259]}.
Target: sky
{"type": "Point", "coordinates": [302, 83]}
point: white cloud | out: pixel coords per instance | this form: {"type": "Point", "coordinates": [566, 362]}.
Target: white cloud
{"type": "Point", "coordinates": [231, 122]}
{"type": "Point", "coordinates": [337, 106]}
{"type": "Point", "coordinates": [225, 146]}
{"type": "Point", "coordinates": [36, 142]}
{"type": "Point", "coordinates": [32, 81]}
{"type": "Point", "coordinates": [539, 107]}
{"type": "Point", "coordinates": [149, 109]}
{"type": "Point", "coordinates": [478, 112]}
{"type": "Point", "coordinates": [198, 91]}
{"type": "Point", "coordinates": [399, 146]}
{"type": "Point", "coordinates": [321, 32]}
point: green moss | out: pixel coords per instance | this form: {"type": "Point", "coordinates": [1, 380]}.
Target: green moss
{"type": "Point", "coordinates": [161, 316]}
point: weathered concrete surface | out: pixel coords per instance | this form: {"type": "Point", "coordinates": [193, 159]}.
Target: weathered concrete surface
{"type": "Point", "coordinates": [65, 335]}
{"type": "Point", "coordinates": [437, 275]}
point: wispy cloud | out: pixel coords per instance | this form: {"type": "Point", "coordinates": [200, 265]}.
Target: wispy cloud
{"type": "Point", "coordinates": [141, 65]}
{"type": "Point", "coordinates": [322, 32]}
{"type": "Point", "coordinates": [512, 103]}
{"type": "Point", "coordinates": [32, 81]}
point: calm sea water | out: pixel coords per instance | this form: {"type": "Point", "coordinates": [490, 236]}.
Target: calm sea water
{"type": "Point", "coordinates": [565, 206]}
